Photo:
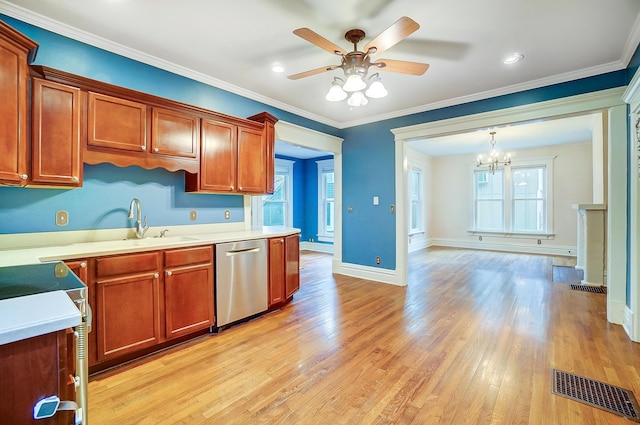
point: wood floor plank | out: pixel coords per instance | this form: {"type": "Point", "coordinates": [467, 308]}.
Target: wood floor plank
{"type": "Point", "coordinates": [471, 340]}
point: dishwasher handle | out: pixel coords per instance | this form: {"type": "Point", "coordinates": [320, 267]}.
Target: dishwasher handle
{"type": "Point", "coordinates": [242, 251]}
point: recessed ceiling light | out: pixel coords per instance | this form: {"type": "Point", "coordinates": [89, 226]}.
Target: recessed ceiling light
{"type": "Point", "coordinates": [513, 58]}
{"type": "Point", "coordinates": [277, 68]}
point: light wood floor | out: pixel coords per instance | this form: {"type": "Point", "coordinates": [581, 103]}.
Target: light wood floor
{"type": "Point", "coordinates": [471, 340]}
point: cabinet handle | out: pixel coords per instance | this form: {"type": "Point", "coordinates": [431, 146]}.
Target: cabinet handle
{"type": "Point", "coordinates": [169, 273]}
{"type": "Point", "coordinates": [281, 240]}
{"type": "Point", "coordinates": [156, 150]}
{"type": "Point", "coordinates": [240, 188]}
{"type": "Point", "coordinates": [144, 147]}
{"type": "Point", "coordinates": [24, 176]}
{"type": "Point", "coordinates": [231, 187]}
{"type": "Point", "coordinates": [156, 275]}
{"type": "Point", "coordinates": [83, 264]}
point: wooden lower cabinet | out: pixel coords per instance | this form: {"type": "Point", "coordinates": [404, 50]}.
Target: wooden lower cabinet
{"type": "Point", "coordinates": [284, 269]}
{"type": "Point", "coordinates": [143, 300]}
{"type": "Point", "coordinates": [292, 265]}
{"type": "Point", "coordinates": [32, 369]}
{"type": "Point", "coordinates": [188, 289]}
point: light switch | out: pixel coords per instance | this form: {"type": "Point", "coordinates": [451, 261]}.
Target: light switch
{"type": "Point", "coordinates": [376, 200]}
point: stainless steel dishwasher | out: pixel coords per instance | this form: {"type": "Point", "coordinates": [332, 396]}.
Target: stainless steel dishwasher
{"type": "Point", "coordinates": [241, 280]}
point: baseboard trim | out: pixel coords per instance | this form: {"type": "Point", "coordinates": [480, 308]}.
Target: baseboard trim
{"type": "Point", "coordinates": [391, 277]}
{"type": "Point", "coordinates": [317, 247]}
{"type": "Point", "coordinates": [627, 324]}
{"type": "Point", "coordinates": [487, 245]}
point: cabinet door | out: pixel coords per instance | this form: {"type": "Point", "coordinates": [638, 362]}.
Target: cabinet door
{"type": "Point", "coordinates": [55, 114]}
{"type": "Point", "coordinates": [276, 271]}
{"type": "Point", "coordinates": [252, 157]}
{"type": "Point", "coordinates": [128, 314]}
{"type": "Point", "coordinates": [188, 299]}
{"type": "Point", "coordinates": [13, 109]}
{"type": "Point", "coordinates": [189, 294]}
{"type": "Point", "coordinates": [217, 159]}
{"type": "Point", "coordinates": [116, 123]}
{"type": "Point", "coordinates": [30, 370]}
{"type": "Point", "coordinates": [174, 133]}
{"type": "Point", "coordinates": [292, 264]}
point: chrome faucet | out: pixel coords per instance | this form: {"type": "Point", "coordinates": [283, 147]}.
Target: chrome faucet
{"type": "Point", "coordinates": [140, 228]}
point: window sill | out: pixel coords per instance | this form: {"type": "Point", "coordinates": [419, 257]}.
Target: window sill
{"type": "Point", "coordinates": [512, 234]}
{"type": "Point", "coordinates": [325, 238]}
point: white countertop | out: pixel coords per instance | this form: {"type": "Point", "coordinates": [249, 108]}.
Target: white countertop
{"type": "Point", "coordinates": [33, 315]}
{"type": "Point", "coordinates": [21, 256]}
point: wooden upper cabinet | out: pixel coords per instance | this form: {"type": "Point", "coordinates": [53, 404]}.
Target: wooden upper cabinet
{"type": "Point", "coordinates": [217, 159]}
{"type": "Point", "coordinates": [116, 123]}
{"type": "Point", "coordinates": [252, 155]}
{"type": "Point", "coordinates": [55, 134]}
{"type": "Point", "coordinates": [174, 133]}
{"type": "Point", "coordinates": [15, 51]}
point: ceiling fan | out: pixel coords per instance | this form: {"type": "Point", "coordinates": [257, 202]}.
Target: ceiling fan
{"type": "Point", "coordinates": [356, 64]}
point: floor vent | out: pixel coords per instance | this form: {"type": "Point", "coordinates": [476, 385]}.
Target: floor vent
{"type": "Point", "coordinates": [597, 394]}
{"type": "Point", "coordinates": [589, 288]}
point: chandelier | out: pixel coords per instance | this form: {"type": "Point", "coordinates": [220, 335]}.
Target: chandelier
{"type": "Point", "coordinates": [492, 160]}
{"type": "Point", "coordinates": [354, 88]}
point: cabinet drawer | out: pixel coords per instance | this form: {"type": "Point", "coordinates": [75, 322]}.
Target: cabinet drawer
{"type": "Point", "coordinates": [185, 256]}
{"type": "Point", "coordinates": [127, 264]}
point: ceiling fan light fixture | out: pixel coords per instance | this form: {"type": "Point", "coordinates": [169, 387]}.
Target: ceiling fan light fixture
{"type": "Point", "coordinates": [354, 83]}
{"type": "Point", "coordinates": [336, 93]}
{"type": "Point", "coordinates": [376, 90]}
{"type": "Point", "coordinates": [357, 99]}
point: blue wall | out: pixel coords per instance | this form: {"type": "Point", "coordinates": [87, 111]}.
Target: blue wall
{"type": "Point", "coordinates": [368, 153]}
{"type": "Point", "coordinates": [305, 195]}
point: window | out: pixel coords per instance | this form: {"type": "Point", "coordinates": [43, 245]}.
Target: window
{"type": "Point", "coordinates": [326, 201]}
{"type": "Point", "coordinates": [489, 200]}
{"type": "Point", "coordinates": [528, 188]}
{"type": "Point", "coordinates": [276, 209]}
{"type": "Point", "coordinates": [515, 199]}
{"type": "Point", "coordinates": [415, 214]}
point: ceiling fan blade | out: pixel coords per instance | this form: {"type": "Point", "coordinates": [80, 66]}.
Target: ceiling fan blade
{"type": "Point", "coordinates": [315, 38]}
{"type": "Point", "coordinates": [397, 32]}
{"type": "Point", "coordinates": [403, 67]}
{"type": "Point", "coordinates": [312, 72]}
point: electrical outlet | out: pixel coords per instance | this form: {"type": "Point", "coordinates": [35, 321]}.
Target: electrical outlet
{"type": "Point", "coordinates": [377, 260]}
{"type": "Point", "coordinates": [227, 214]}
{"type": "Point", "coordinates": [62, 218]}
{"type": "Point", "coordinates": [193, 215]}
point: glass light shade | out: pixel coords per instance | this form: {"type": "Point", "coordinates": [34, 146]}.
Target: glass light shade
{"type": "Point", "coordinates": [357, 99]}
{"type": "Point", "coordinates": [376, 90]}
{"type": "Point", "coordinates": [354, 83]}
{"type": "Point", "coordinates": [336, 93]}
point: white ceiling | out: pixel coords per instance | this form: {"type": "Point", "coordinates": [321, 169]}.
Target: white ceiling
{"type": "Point", "coordinates": [233, 45]}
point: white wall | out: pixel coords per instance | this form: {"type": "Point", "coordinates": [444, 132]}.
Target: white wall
{"type": "Point", "coordinates": [451, 200]}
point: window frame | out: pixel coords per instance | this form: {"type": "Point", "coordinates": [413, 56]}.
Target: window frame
{"type": "Point", "coordinates": [282, 167]}
{"type": "Point", "coordinates": [324, 166]}
{"type": "Point", "coordinates": [420, 199]}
